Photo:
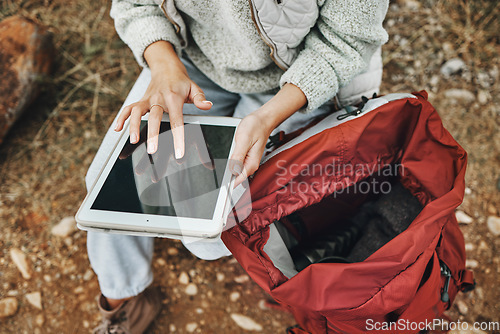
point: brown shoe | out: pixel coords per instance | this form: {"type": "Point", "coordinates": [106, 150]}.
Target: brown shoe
{"type": "Point", "coordinates": [132, 317]}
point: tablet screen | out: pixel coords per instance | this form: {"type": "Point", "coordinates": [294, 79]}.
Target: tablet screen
{"type": "Point", "coordinates": [162, 185]}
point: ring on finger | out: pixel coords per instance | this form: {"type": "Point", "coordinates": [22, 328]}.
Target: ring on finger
{"type": "Point", "coordinates": [156, 105]}
{"type": "Point", "coordinates": [198, 94]}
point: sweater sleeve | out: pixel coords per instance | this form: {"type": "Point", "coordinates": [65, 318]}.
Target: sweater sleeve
{"type": "Point", "coordinates": [337, 48]}
{"type": "Point", "coordinates": [140, 23]}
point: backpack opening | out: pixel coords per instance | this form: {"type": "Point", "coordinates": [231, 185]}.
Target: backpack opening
{"type": "Point", "coordinates": [346, 226]}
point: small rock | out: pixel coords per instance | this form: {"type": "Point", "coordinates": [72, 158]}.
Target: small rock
{"type": "Point", "coordinates": [183, 278]}
{"type": "Point", "coordinates": [483, 245]}
{"type": "Point", "coordinates": [241, 279]}
{"type": "Point", "coordinates": [234, 296]}
{"type": "Point", "coordinates": [220, 277]}
{"type": "Point", "coordinates": [245, 322]}
{"type": "Point", "coordinates": [410, 4]}
{"type": "Point", "coordinates": [463, 218]}
{"type": "Point", "coordinates": [469, 247]}
{"type": "Point", "coordinates": [191, 327]}
{"type": "Point", "coordinates": [78, 290]}
{"type": "Point", "coordinates": [161, 261]}
{"type": "Point", "coordinates": [462, 307]}
{"type": "Point", "coordinates": [86, 324]}
{"type": "Point", "coordinates": [199, 310]}
{"type": "Point", "coordinates": [468, 191]}
{"type": "Point", "coordinates": [492, 210]}
{"type": "Point", "coordinates": [191, 289]}
{"type": "Point", "coordinates": [20, 260]}
{"type": "Point", "coordinates": [35, 299]}
{"type": "Point", "coordinates": [88, 275]}
{"type": "Point", "coordinates": [263, 304]}
{"type": "Point", "coordinates": [8, 307]}
{"type": "Point", "coordinates": [483, 97]}
{"type": "Point", "coordinates": [484, 80]}
{"type": "Point", "coordinates": [453, 66]}
{"type": "Point", "coordinates": [65, 227]}
{"type": "Point", "coordinates": [460, 94]}
{"type": "Point", "coordinates": [39, 320]}
{"type": "Point", "coordinates": [493, 223]}
{"type": "Point", "coordinates": [434, 81]}
{"type": "Point", "coordinates": [471, 264]}
{"type": "Point", "coordinates": [172, 328]}
{"type": "Point", "coordinates": [47, 278]}
{"type": "Point", "coordinates": [172, 251]}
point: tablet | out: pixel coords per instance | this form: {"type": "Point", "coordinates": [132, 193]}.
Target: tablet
{"type": "Point", "coordinates": [155, 194]}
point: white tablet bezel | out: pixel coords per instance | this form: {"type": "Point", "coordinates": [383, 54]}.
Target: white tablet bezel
{"type": "Point", "coordinates": [157, 225]}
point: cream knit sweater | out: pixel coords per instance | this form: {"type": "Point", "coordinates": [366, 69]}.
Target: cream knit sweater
{"type": "Point", "coordinates": [225, 45]}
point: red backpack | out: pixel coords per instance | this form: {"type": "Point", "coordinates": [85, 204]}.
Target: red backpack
{"type": "Point", "coordinates": [318, 180]}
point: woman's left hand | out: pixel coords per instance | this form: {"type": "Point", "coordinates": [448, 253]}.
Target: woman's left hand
{"type": "Point", "coordinates": [250, 141]}
{"type": "Point", "coordinates": [254, 130]}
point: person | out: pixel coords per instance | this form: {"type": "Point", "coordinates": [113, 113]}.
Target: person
{"type": "Point", "coordinates": [275, 64]}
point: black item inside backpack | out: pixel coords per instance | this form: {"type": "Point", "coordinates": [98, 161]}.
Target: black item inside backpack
{"type": "Point", "coordinates": [351, 225]}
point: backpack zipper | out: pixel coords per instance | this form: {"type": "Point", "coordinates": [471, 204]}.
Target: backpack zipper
{"type": "Point", "coordinates": [446, 272]}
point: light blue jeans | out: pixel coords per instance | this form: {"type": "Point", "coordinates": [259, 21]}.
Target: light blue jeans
{"type": "Point", "coordinates": [122, 262]}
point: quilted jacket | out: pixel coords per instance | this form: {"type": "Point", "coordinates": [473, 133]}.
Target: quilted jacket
{"type": "Point", "coordinates": [282, 25]}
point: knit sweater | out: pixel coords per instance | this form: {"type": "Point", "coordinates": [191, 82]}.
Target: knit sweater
{"type": "Point", "coordinates": [225, 45]}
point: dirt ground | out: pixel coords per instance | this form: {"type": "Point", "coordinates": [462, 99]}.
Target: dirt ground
{"type": "Point", "coordinates": [44, 159]}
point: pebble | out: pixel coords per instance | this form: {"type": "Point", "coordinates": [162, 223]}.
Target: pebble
{"type": "Point", "coordinates": [8, 307]}
{"type": "Point", "coordinates": [191, 327]}
{"type": "Point", "coordinates": [12, 293]}
{"type": "Point", "coordinates": [39, 320]}
{"type": "Point", "coordinates": [469, 247]}
{"type": "Point", "coordinates": [452, 66]}
{"type": "Point", "coordinates": [78, 290]}
{"type": "Point", "coordinates": [199, 310]}
{"type": "Point", "coordinates": [493, 223]}
{"type": "Point", "coordinates": [468, 191]}
{"type": "Point", "coordinates": [460, 94]}
{"type": "Point", "coordinates": [35, 299]}
{"type": "Point", "coordinates": [161, 261]}
{"type": "Point", "coordinates": [172, 251]}
{"type": "Point", "coordinates": [471, 264]}
{"type": "Point", "coordinates": [245, 322]}
{"type": "Point", "coordinates": [20, 260]}
{"type": "Point", "coordinates": [88, 275]}
{"type": "Point", "coordinates": [65, 227]}
{"type": "Point", "coordinates": [191, 289]}
{"type": "Point", "coordinates": [483, 97]}
{"type": "Point", "coordinates": [86, 324]}
{"type": "Point", "coordinates": [484, 79]}
{"type": "Point", "coordinates": [462, 307]}
{"type": "Point", "coordinates": [263, 305]}
{"type": "Point", "coordinates": [463, 218]}
{"type": "Point", "coordinates": [47, 278]}
{"type": "Point", "coordinates": [172, 328]}
{"type": "Point", "coordinates": [234, 296]}
{"type": "Point", "coordinates": [241, 279]}
{"type": "Point", "coordinates": [220, 277]}
{"type": "Point", "coordinates": [183, 278]}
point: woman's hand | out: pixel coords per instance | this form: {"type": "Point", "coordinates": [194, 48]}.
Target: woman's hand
{"type": "Point", "coordinates": [254, 130]}
{"type": "Point", "coordinates": [169, 89]}
{"type": "Point", "coordinates": [250, 141]}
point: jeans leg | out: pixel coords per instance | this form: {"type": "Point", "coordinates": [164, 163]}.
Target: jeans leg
{"type": "Point", "coordinates": [122, 263]}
